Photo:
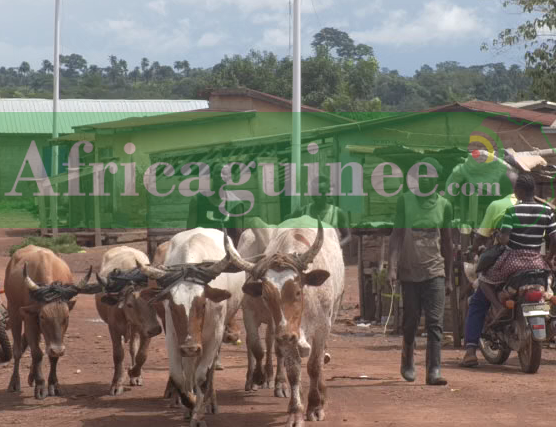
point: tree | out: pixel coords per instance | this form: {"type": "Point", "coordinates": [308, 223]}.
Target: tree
{"type": "Point", "coordinates": [538, 36]}
{"type": "Point", "coordinates": [24, 68]}
{"type": "Point", "coordinates": [333, 39]}
{"type": "Point", "coordinates": [47, 67]}
{"type": "Point", "coordinates": [182, 67]}
{"type": "Point", "coordinates": [73, 65]}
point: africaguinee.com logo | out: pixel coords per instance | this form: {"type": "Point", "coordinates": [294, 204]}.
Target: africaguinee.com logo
{"type": "Point", "coordinates": [197, 179]}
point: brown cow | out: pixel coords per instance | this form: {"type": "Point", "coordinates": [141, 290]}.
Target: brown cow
{"type": "Point", "coordinates": [128, 315]}
{"type": "Point", "coordinates": [27, 267]}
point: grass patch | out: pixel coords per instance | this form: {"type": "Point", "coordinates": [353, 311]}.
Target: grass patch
{"type": "Point", "coordinates": [19, 204]}
{"type": "Point", "coordinates": [63, 244]}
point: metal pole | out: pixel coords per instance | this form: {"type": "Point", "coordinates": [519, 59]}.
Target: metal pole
{"type": "Point", "coordinates": [55, 98]}
{"type": "Point", "coordinates": [296, 105]}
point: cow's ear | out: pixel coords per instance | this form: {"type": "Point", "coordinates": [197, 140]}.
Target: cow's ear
{"type": "Point", "coordinates": [254, 289]}
{"type": "Point", "coordinates": [216, 295]}
{"type": "Point", "coordinates": [30, 310]}
{"type": "Point", "coordinates": [71, 304]}
{"type": "Point", "coordinates": [315, 277]}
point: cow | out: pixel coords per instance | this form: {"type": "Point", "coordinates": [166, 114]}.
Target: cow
{"type": "Point", "coordinates": [301, 285]}
{"type": "Point", "coordinates": [128, 315]}
{"type": "Point", "coordinates": [252, 243]}
{"type": "Point", "coordinates": [198, 300]}
{"type": "Point", "coordinates": [39, 291]}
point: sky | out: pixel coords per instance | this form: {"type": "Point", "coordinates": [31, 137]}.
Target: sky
{"type": "Point", "coordinates": [405, 34]}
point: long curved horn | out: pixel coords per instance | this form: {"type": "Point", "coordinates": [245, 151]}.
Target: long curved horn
{"type": "Point", "coordinates": [312, 252]}
{"type": "Point", "coordinates": [219, 266]}
{"type": "Point", "coordinates": [236, 258]}
{"type": "Point", "coordinates": [86, 279]}
{"type": "Point", "coordinates": [151, 272]}
{"type": "Point", "coordinates": [31, 285]}
{"type": "Point", "coordinates": [101, 281]}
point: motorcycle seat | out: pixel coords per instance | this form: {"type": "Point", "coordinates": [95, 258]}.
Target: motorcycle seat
{"type": "Point", "coordinates": [529, 277]}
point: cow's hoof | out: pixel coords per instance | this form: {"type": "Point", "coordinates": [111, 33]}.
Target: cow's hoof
{"type": "Point", "coordinates": [268, 385]}
{"type": "Point", "coordinates": [281, 390]}
{"type": "Point", "coordinates": [211, 408]}
{"type": "Point", "coordinates": [31, 379]}
{"type": "Point", "coordinates": [315, 414]}
{"type": "Point", "coordinates": [116, 390]}
{"type": "Point", "coordinates": [327, 358]}
{"type": "Point", "coordinates": [259, 377]}
{"type": "Point", "coordinates": [14, 386]}
{"type": "Point", "coordinates": [197, 423]}
{"type": "Point", "coordinates": [295, 420]}
{"type": "Point", "coordinates": [54, 390]}
{"type": "Point", "coordinates": [136, 381]}
{"type": "Point", "coordinates": [41, 391]}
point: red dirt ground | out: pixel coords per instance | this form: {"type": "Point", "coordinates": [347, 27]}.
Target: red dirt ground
{"type": "Point", "coordinates": [489, 395]}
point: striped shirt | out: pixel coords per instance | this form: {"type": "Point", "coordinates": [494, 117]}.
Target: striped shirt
{"type": "Point", "coordinates": [528, 223]}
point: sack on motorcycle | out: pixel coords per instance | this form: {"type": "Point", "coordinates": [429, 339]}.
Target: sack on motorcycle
{"type": "Point", "coordinates": [489, 257]}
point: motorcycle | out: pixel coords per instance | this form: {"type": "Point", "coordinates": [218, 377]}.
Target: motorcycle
{"type": "Point", "coordinates": [529, 298]}
{"type": "Point", "coordinates": [5, 345]}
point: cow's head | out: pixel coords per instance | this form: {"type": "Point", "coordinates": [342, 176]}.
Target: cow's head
{"type": "Point", "coordinates": [279, 280]}
{"type": "Point", "coordinates": [51, 306]}
{"type": "Point", "coordinates": [133, 299]}
{"type": "Point", "coordinates": [187, 291]}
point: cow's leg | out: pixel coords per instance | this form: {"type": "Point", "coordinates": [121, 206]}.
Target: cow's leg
{"type": "Point", "coordinates": [133, 346]}
{"type": "Point", "coordinates": [117, 387]}
{"type": "Point", "coordinates": [317, 390]}
{"type": "Point", "coordinates": [135, 377]}
{"type": "Point", "coordinates": [269, 368]}
{"type": "Point", "coordinates": [35, 375]}
{"type": "Point", "coordinates": [15, 384]}
{"type": "Point", "coordinates": [255, 352]}
{"type": "Point", "coordinates": [53, 385]}
{"type": "Point", "coordinates": [281, 388]}
{"type": "Point", "coordinates": [211, 404]}
{"type": "Point", "coordinates": [293, 368]}
{"type": "Point", "coordinates": [201, 390]}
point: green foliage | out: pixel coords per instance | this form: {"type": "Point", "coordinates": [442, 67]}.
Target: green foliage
{"type": "Point", "coordinates": [63, 244]}
{"type": "Point", "coordinates": [538, 36]}
{"type": "Point", "coordinates": [340, 76]}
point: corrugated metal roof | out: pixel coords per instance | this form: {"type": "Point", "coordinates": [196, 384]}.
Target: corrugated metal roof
{"type": "Point", "coordinates": [34, 116]}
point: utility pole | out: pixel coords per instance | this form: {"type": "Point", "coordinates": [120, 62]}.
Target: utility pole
{"type": "Point", "coordinates": [296, 107]}
{"type": "Point", "coordinates": [55, 98]}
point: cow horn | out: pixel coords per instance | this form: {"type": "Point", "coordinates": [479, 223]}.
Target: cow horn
{"type": "Point", "coordinates": [101, 281]}
{"type": "Point", "coordinates": [219, 266]}
{"type": "Point", "coordinates": [151, 272]}
{"type": "Point", "coordinates": [312, 252]}
{"type": "Point", "coordinates": [32, 286]}
{"type": "Point", "coordinates": [236, 258]}
{"type": "Point", "coordinates": [86, 279]}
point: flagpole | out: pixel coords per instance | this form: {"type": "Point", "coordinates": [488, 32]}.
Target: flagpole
{"type": "Point", "coordinates": [296, 105]}
{"type": "Point", "coordinates": [55, 99]}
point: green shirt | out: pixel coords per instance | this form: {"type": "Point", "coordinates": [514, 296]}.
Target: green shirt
{"type": "Point", "coordinates": [494, 214]}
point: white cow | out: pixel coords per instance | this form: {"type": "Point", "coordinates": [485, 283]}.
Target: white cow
{"type": "Point", "coordinates": [196, 313]}
{"type": "Point", "coordinates": [301, 284]}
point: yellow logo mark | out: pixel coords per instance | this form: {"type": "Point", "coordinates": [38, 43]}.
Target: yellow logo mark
{"type": "Point", "coordinates": [482, 140]}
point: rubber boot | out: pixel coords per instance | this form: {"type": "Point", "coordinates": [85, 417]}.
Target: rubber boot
{"type": "Point", "coordinates": [433, 363]}
{"type": "Point", "coordinates": [408, 368]}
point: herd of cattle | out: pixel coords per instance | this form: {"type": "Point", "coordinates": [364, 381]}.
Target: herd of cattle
{"type": "Point", "coordinates": [290, 278]}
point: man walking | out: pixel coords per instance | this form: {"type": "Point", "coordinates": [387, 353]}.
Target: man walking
{"type": "Point", "coordinates": [422, 240]}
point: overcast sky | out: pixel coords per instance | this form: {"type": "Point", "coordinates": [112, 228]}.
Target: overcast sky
{"type": "Point", "coordinates": [404, 33]}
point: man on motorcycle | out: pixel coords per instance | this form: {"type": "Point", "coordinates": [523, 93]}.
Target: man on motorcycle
{"type": "Point", "coordinates": [523, 228]}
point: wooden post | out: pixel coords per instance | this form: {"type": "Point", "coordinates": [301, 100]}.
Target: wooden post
{"type": "Point", "coordinates": [42, 211]}
{"type": "Point", "coordinates": [454, 308]}
{"type": "Point", "coordinates": [96, 202]}
{"type": "Point", "coordinates": [361, 275]}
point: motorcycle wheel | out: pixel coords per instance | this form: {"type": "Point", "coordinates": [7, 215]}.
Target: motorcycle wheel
{"type": "Point", "coordinates": [493, 356]}
{"type": "Point", "coordinates": [5, 345]}
{"type": "Point", "coordinates": [530, 356]}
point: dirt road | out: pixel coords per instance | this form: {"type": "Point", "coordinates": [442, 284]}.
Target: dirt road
{"type": "Point", "coordinates": [487, 395]}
